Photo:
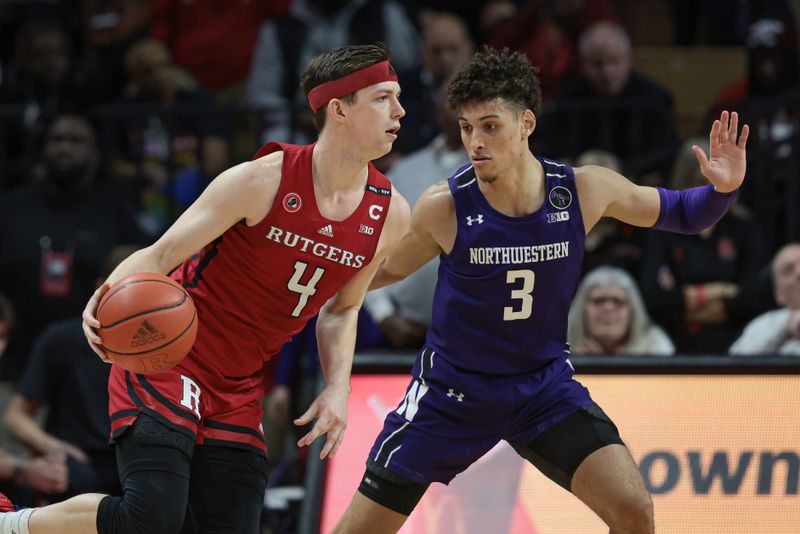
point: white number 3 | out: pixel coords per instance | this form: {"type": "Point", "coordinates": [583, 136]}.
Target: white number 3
{"type": "Point", "coordinates": [306, 290]}
{"type": "Point", "coordinates": [523, 294]}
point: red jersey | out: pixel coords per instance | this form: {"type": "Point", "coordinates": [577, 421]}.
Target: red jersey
{"type": "Point", "coordinates": [255, 287]}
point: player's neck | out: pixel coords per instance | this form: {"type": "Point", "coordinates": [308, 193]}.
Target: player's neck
{"type": "Point", "coordinates": [337, 167]}
{"type": "Point", "coordinates": [519, 191]}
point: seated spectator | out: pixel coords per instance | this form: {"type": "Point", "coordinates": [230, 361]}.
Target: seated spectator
{"type": "Point", "coordinates": [767, 100]}
{"type": "Point", "coordinates": [42, 81]}
{"type": "Point", "coordinates": [215, 45]}
{"type": "Point", "coordinates": [611, 242]}
{"type": "Point", "coordinates": [286, 44]}
{"type": "Point", "coordinates": [608, 317]}
{"type": "Point", "coordinates": [19, 476]}
{"type": "Point", "coordinates": [55, 235]}
{"type": "Point", "coordinates": [777, 331]}
{"type": "Point", "coordinates": [402, 311]}
{"type": "Point", "coordinates": [547, 31]}
{"type": "Point", "coordinates": [110, 27]}
{"type": "Point", "coordinates": [65, 376]}
{"type": "Point", "coordinates": [704, 288]}
{"type": "Point", "coordinates": [166, 131]}
{"type": "Point", "coordinates": [611, 107]}
{"type": "Point", "coordinates": [446, 46]}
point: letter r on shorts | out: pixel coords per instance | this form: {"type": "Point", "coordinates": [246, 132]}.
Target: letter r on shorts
{"type": "Point", "coordinates": [191, 395]}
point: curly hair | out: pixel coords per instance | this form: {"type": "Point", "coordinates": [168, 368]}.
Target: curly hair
{"type": "Point", "coordinates": [496, 73]}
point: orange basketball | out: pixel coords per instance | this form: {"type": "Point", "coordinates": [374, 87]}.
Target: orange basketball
{"type": "Point", "coordinates": [147, 323]}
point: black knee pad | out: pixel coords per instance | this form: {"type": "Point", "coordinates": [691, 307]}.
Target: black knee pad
{"type": "Point", "coordinates": [132, 516]}
{"type": "Point", "coordinates": [154, 464]}
{"type": "Point", "coordinates": [392, 491]}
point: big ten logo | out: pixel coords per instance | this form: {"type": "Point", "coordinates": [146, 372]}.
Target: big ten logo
{"type": "Point", "coordinates": [722, 471]}
{"type": "Point", "coordinates": [364, 229]}
{"type": "Point", "coordinates": [558, 216]}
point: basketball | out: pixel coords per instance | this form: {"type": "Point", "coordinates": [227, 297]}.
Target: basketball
{"type": "Point", "coordinates": [148, 323]}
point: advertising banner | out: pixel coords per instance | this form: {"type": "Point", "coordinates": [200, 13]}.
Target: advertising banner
{"type": "Point", "coordinates": [720, 454]}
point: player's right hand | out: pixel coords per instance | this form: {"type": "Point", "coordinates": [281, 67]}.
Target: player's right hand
{"type": "Point", "coordinates": [90, 322]}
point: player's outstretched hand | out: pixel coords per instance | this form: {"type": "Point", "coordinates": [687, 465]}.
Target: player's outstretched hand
{"type": "Point", "coordinates": [725, 165]}
{"type": "Point", "coordinates": [330, 410]}
{"type": "Point", "coordinates": [90, 322]}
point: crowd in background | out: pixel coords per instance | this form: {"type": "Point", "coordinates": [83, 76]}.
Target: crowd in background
{"type": "Point", "coordinates": [115, 114]}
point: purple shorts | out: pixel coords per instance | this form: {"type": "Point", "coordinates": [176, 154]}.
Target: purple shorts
{"type": "Point", "coordinates": [450, 417]}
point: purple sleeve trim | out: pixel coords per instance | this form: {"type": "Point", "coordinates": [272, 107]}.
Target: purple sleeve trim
{"type": "Point", "coordinates": [692, 210]}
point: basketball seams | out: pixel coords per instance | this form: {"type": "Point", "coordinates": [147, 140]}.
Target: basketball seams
{"type": "Point", "coordinates": [107, 297]}
{"type": "Point", "coordinates": [176, 338]}
{"type": "Point", "coordinates": [145, 312]}
{"type": "Point", "coordinates": [147, 328]}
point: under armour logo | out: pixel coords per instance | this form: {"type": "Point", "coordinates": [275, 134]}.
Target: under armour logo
{"type": "Point", "coordinates": [452, 393]}
{"type": "Point", "coordinates": [478, 219]}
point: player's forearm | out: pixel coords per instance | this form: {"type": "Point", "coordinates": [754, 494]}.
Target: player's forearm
{"type": "Point", "coordinates": [146, 260]}
{"type": "Point", "coordinates": [336, 340]}
{"type": "Point", "coordinates": [384, 278]}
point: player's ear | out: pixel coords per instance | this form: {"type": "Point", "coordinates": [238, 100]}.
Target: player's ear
{"type": "Point", "coordinates": [337, 110]}
{"type": "Point", "coordinates": [527, 123]}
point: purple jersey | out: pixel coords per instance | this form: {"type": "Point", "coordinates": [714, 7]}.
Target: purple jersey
{"type": "Point", "coordinates": [504, 291]}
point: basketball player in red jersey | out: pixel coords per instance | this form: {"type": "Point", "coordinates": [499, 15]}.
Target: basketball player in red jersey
{"type": "Point", "coordinates": [298, 231]}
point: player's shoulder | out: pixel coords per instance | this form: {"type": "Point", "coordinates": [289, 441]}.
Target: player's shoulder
{"type": "Point", "coordinates": [270, 164]}
{"type": "Point", "coordinates": [593, 177]}
{"type": "Point", "coordinates": [437, 197]}
{"type": "Point", "coordinates": [263, 172]}
{"type": "Point", "coordinates": [585, 172]}
{"type": "Point", "coordinates": [438, 193]}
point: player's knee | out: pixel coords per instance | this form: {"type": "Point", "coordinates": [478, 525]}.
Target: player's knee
{"type": "Point", "coordinates": [118, 515]}
{"type": "Point", "coordinates": [635, 515]}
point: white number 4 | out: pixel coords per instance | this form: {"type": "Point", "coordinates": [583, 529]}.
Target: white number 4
{"type": "Point", "coordinates": [306, 290]}
{"type": "Point", "coordinates": [522, 294]}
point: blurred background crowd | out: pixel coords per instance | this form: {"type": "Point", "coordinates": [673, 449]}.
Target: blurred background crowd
{"type": "Point", "coordinates": [115, 114]}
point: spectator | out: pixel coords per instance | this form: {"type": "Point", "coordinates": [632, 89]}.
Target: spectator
{"type": "Point", "coordinates": [18, 476]}
{"type": "Point", "coordinates": [55, 235]}
{"type": "Point", "coordinates": [703, 287]}
{"type": "Point", "coordinates": [611, 107]}
{"type": "Point", "coordinates": [111, 27]}
{"type": "Point", "coordinates": [402, 311]}
{"type": "Point", "coordinates": [214, 39]}
{"type": "Point", "coordinates": [611, 242]}
{"type": "Point", "coordinates": [446, 46]}
{"type": "Point", "coordinates": [547, 31]}
{"type": "Point", "coordinates": [42, 80]}
{"type": "Point", "coordinates": [287, 44]}
{"type": "Point", "coordinates": [767, 99]}
{"type": "Point", "coordinates": [608, 316]}
{"type": "Point", "coordinates": [777, 331]}
{"type": "Point", "coordinates": [65, 375]}
{"type": "Point", "coordinates": [167, 131]}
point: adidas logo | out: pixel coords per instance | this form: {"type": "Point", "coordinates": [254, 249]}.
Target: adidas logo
{"type": "Point", "coordinates": [146, 334]}
{"type": "Point", "coordinates": [326, 230]}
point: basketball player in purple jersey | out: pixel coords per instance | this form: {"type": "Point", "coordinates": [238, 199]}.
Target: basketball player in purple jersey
{"type": "Point", "coordinates": [509, 229]}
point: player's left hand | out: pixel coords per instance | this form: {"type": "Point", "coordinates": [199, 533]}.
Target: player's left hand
{"type": "Point", "coordinates": [330, 410]}
{"type": "Point", "coordinates": [725, 166]}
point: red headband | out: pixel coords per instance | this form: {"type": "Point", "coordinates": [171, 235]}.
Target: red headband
{"type": "Point", "coordinates": [377, 73]}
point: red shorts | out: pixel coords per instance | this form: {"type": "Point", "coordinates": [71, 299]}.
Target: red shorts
{"type": "Point", "coordinates": [193, 398]}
